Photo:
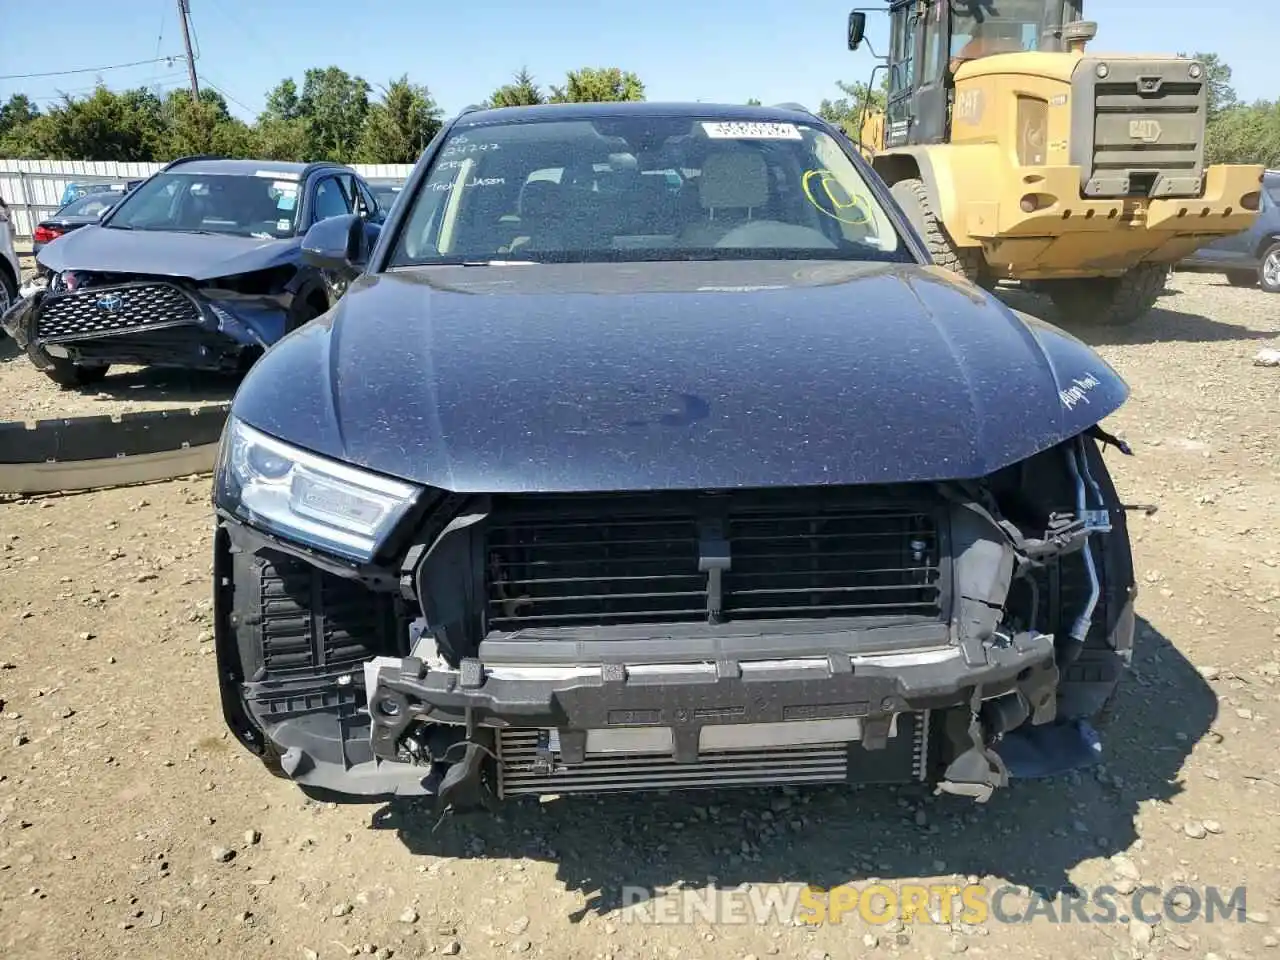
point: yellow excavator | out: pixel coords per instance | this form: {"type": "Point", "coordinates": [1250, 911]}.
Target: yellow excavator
{"type": "Point", "coordinates": [1019, 156]}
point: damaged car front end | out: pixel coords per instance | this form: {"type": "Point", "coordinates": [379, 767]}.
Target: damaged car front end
{"type": "Point", "coordinates": [79, 323]}
{"type": "Point", "coordinates": [200, 268]}
{"type": "Point", "coordinates": [713, 521]}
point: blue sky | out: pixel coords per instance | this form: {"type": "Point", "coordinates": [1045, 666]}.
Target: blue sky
{"type": "Point", "coordinates": [683, 49]}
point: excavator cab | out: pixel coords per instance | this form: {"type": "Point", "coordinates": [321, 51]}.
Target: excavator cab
{"type": "Point", "coordinates": [930, 41]}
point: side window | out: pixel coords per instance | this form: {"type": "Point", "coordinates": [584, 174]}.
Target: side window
{"type": "Point", "coordinates": [935, 60]}
{"type": "Point", "coordinates": [331, 200]}
{"type": "Point", "coordinates": [902, 72]}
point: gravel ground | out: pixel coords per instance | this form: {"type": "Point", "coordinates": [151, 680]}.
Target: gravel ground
{"type": "Point", "coordinates": [131, 826]}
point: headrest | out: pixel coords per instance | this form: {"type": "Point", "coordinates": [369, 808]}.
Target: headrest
{"type": "Point", "coordinates": [540, 198]}
{"type": "Point", "coordinates": [733, 178]}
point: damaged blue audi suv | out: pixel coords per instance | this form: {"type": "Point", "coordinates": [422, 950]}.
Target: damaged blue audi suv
{"type": "Point", "coordinates": [648, 450]}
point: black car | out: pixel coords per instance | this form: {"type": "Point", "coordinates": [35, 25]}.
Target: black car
{"type": "Point", "coordinates": [80, 212]}
{"type": "Point", "coordinates": [594, 481]}
{"type": "Point", "coordinates": [199, 267]}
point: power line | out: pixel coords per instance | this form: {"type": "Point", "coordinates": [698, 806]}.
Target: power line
{"type": "Point", "coordinates": [67, 73]}
{"type": "Point", "coordinates": [191, 21]}
{"type": "Point", "coordinates": [159, 41]}
{"type": "Point", "coordinates": [164, 79]}
{"type": "Point", "coordinates": [204, 78]}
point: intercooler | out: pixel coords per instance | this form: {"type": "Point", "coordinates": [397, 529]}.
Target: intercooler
{"type": "Point", "coordinates": [530, 763]}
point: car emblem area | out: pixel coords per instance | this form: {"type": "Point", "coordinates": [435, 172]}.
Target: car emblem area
{"type": "Point", "coordinates": [111, 303]}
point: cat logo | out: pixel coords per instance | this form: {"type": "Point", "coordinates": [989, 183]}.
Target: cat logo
{"type": "Point", "coordinates": [969, 104]}
{"type": "Point", "coordinates": [1148, 131]}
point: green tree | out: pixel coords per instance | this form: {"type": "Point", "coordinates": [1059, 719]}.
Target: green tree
{"type": "Point", "coordinates": [102, 126]}
{"type": "Point", "coordinates": [398, 128]}
{"type": "Point", "coordinates": [523, 91]}
{"type": "Point", "coordinates": [16, 111]}
{"type": "Point", "coordinates": [206, 126]}
{"type": "Point", "coordinates": [1221, 95]}
{"type": "Point", "coordinates": [598, 85]}
{"type": "Point", "coordinates": [847, 111]}
{"type": "Point", "coordinates": [753, 102]}
{"type": "Point", "coordinates": [282, 102]}
{"type": "Point", "coordinates": [280, 132]}
{"type": "Point", "coordinates": [1246, 133]}
{"type": "Point", "coordinates": [333, 106]}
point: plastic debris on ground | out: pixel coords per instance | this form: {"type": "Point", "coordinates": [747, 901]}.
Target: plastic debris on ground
{"type": "Point", "coordinates": [1031, 753]}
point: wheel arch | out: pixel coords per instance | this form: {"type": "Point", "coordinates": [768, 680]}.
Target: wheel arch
{"type": "Point", "coordinates": [1269, 239]}
{"type": "Point", "coordinates": [6, 270]}
{"type": "Point", "coordinates": [940, 167]}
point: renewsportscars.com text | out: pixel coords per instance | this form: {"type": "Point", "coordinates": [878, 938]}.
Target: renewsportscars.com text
{"type": "Point", "coordinates": [931, 903]}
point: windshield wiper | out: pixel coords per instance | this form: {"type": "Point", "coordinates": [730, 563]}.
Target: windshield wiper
{"type": "Point", "coordinates": [498, 263]}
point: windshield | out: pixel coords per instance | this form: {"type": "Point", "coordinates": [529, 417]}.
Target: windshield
{"type": "Point", "coordinates": [90, 205]}
{"type": "Point", "coordinates": [237, 204]}
{"type": "Point", "coordinates": [981, 28]}
{"type": "Point", "coordinates": [643, 188]}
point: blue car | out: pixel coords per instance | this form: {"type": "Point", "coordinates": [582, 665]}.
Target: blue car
{"type": "Point", "coordinates": [589, 485]}
{"type": "Point", "coordinates": [74, 191]}
{"type": "Point", "coordinates": [200, 267]}
{"type": "Point", "coordinates": [1252, 257]}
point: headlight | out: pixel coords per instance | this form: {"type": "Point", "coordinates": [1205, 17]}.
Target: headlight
{"type": "Point", "coordinates": [313, 500]}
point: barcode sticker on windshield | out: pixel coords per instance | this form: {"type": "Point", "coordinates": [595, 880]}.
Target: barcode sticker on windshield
{"type": "Point", "coordinates": [745, 130]}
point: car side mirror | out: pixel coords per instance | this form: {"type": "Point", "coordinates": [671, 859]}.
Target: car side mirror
{"type": "Point", "coordinates": [341, 244]}
{"type": "Point", "coordinates": [857, 29]}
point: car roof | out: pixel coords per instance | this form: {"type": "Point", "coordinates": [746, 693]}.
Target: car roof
{"type": "Point", "coordinates": [788, 113]}
{"type": "Point", "coordinates": [213, 166]}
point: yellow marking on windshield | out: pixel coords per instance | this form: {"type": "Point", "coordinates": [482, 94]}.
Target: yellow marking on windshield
{"type": "Point", "coordinates": [834, 199]}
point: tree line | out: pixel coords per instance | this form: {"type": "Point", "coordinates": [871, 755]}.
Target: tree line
{"type": "Point", "coordinates": [335, 115]}
{"type": "Point", "coordinates": [339, 116]}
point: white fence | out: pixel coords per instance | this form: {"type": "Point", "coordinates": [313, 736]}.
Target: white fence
{"type": "Point", "coordinates": [33, 188]}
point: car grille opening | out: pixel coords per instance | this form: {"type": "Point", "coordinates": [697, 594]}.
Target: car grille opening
{"type": "Point", "coordinates": [103, 311]}
{"type": "Point", "coordinates": [190, 346]}
{"type": "Point", "coordinates": [618, 559]}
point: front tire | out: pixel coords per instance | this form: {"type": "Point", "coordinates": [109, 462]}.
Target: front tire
{"type": "Point", "coordinates": [8, 295]}
{"type": "Point", "coordinates": [1109, 301]}
{"type": "Point", "coordinates": [969, 262]}
{"type": "Point", "coordinates": [66, 373]}
{"type": "Point", "coordinates": [1269, 272]}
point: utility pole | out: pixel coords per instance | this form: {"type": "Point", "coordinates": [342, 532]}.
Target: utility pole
{"type": "Point", "coordinates": [191, 61]}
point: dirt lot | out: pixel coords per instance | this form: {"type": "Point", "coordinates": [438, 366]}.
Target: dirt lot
{"type": "Point", "coordinates": [131, 826]}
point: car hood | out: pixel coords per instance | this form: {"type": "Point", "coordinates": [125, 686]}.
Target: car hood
{"type": "Point", "coordinates": [198, 256]}
{"type": "Point", "coordinates": [692, 375]}
{"type": "Point", "coordinates": [81, 221]}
